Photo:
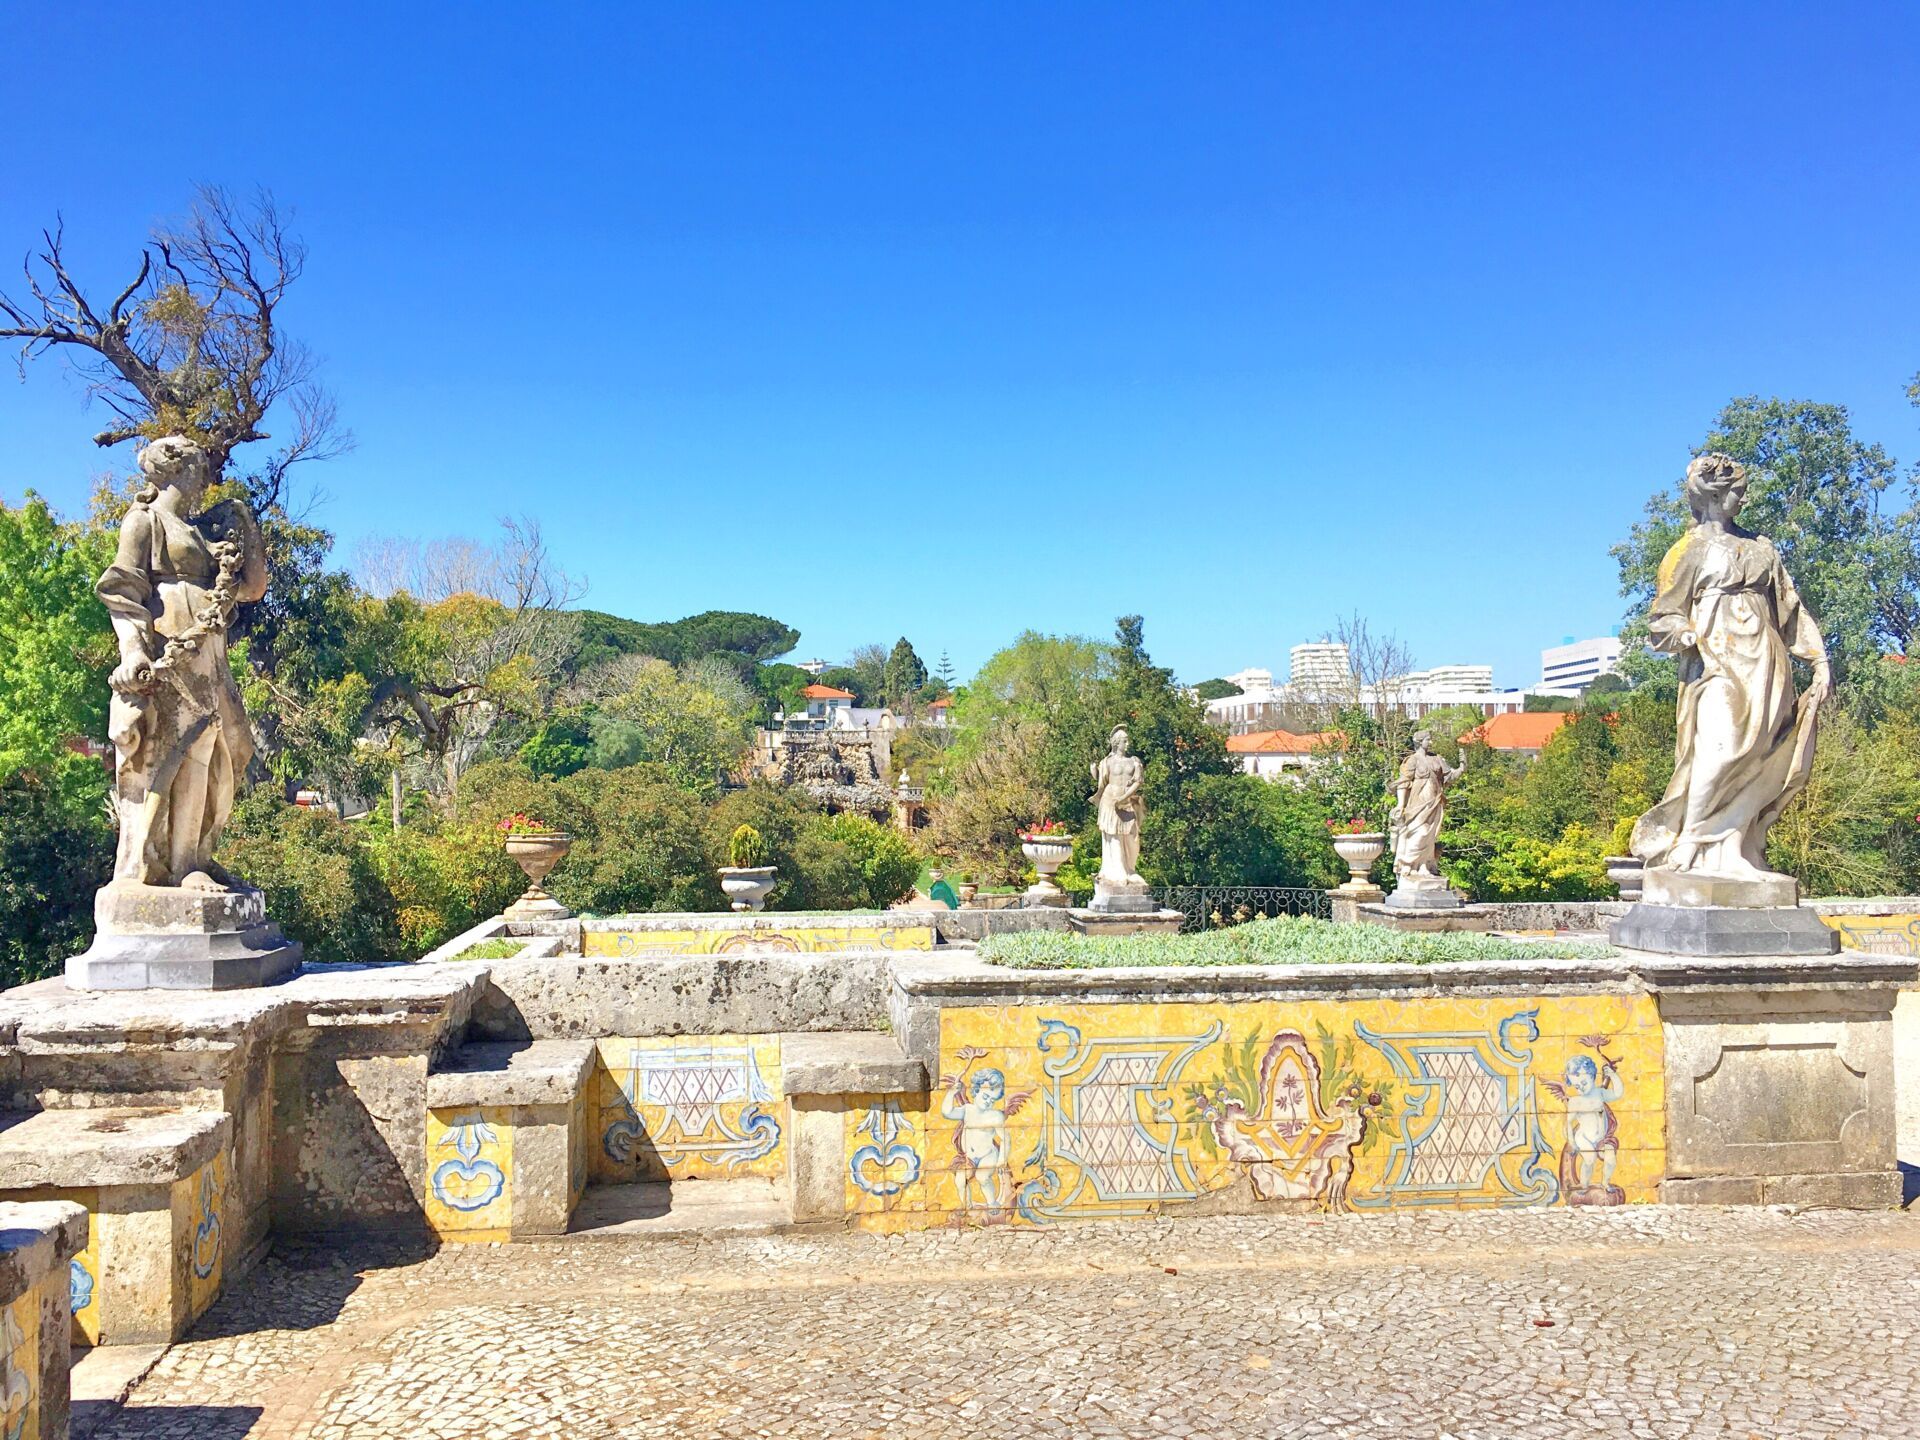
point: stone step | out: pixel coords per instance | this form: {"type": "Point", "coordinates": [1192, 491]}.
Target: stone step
{"type": "Point", "coordinates": [689, 1207]}
{"type": "Point", "coordinates": [848, 1062]}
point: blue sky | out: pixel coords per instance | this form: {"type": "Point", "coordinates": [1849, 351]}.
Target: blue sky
{"type": "Point", "coordinates": [955, 320]}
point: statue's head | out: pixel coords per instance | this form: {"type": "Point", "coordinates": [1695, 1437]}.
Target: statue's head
{"type": "Point", "coordinates": [1716, 486]}
{"type": "Point", "coordinates": [1422, 739]}
{"type": "Point", "coordinates": [173, 461]}
{"type": "Point", "coordinates": [1117, 741]}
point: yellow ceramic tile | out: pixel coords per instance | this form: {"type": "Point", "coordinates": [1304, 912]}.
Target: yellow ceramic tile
{"type": "Point", "coordinates": [206, 1199]}
{"type": "Point", "coordinates": [470, 1173]}
{"type": "Point", "coordinates": [20, 1367]}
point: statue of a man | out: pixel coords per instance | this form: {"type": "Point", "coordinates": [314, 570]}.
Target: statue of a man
{"type": "Point", "coordinates": [178, 728]}
{"type": "Point", "coordinates": [1419, 802]}
{"type": "Point", "coordinates": [1727, 608]}
{"type": "Point", "coordinates": [1117, 778]}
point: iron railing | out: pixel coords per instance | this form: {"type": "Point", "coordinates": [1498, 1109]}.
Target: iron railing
{"type": "Point", "coordinates": [1212, 907]}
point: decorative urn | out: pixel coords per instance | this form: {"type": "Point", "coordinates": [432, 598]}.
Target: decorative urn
{"type": "Point", "coordinates": [1046, 848]}
{"type": "Point", "coordinates": [747, 886]}
{"type": "Point", "coordinates": [1359, 849]}
{"type": "Point", "coordinates": [1627, 872]}
{"type": "Point", "coordinates": [536, 852]}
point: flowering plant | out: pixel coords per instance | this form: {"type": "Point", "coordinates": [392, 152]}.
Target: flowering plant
{"type": "Point", "coordinates": [1045, 830]}
{"type": "Point", "coordinates": [521, 823]}
{"type": "Point", "coordinates": [1355, 826]}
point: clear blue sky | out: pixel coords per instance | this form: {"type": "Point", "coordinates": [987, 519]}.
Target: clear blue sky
{"type": "Point", "coordinates": [950, 320]}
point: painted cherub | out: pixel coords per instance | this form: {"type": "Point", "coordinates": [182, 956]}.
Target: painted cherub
{"type": "Point", "coordinates": [981, 1147]}
{"type": "Point", "coordinates": [1592, 1149]}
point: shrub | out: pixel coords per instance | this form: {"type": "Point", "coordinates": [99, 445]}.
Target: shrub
{"type": "Point", "coordinates": [1287, 940]}
{"type": "Point", "coordinates": [888, 862]}
{"type": "Point", "coordinates": [53, 856]}
{"type": "Point", "coordinates": [745, 849]}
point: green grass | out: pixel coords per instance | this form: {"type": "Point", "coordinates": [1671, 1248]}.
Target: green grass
{"type": "Point", "coordinates": [1288, 940]}
{"type": "Point", "coordinates": [501, 947]}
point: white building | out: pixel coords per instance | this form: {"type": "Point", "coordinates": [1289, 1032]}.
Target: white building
{"type": "Point", "coordinates": [1465, 679]}
{"type": "Point", "coordinates": [1320, 665]}
{"type": "Point", "coordinates": [1576, 664]}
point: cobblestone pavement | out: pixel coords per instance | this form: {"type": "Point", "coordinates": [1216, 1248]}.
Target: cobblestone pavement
{"type": "Point", "coordinates": [1638, 1322]}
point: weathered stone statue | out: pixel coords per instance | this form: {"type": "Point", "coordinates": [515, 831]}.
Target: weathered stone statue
{"type": "Point", "coordinates": [1419, 803]}
{"type": "Point", "coordinates": [1728, 610]}
{"type": "Point", "coordinates": [172, 917]}
{"type": "Point", "coordinates": [1117, 780]}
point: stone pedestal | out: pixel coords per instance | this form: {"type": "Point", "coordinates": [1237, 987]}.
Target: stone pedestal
{"type": "Point", "coordinates": [155, 937]}
{"type": "Point", "coordinates": [1150, 921]}
{"type": "Point", "coordinates": [1681, 913]}
{"type": "Point", "coordinates": [1132, 898]}
{"type": "Point", "coordinates": [1418, 894]}
{"type": "Point", "coordinates": [1347, 900]}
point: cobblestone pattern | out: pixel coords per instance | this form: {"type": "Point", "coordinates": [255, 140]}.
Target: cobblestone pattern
{"type": "Point", "coordinates": [1631, 1322]}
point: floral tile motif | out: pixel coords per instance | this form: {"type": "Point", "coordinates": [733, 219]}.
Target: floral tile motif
{"type": "Point", "coordinates": [203, 1195]}
{"type": "Point", "coordinates": [469, 1173]}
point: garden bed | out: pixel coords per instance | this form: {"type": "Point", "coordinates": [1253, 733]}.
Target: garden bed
{"type": "Point", "coordinates": [1286, 940]}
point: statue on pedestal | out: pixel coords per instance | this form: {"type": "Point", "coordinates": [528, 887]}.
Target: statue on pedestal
{"type": "Point", "coordinates": [171, 917]}
{"type": "Point", "coordinates": [1117, 781]}
{"type": "Point", "coordinates": [1729, 612]}
{"type": "Point", "coordinates": [1419, 803]}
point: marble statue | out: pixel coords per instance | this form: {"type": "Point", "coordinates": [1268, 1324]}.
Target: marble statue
{"type": "Point", "coordinates": [1419, 802]}
{"type": "Point", "coordinates": [179, 731]}
{"type": "Point", "coordinates": [1117, 780]}
{"type": "Point", "coordinates": [1726, 607]}
{"type": "Point", "coordinates": [171, 917]}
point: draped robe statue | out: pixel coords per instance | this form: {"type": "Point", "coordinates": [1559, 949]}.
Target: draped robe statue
{"type": "Point", "coordinates": [1419, 802]}
{"type": "Point", "coordinates": [179, 730]}
{"type": "Point", "coordinates": [1728, 610]}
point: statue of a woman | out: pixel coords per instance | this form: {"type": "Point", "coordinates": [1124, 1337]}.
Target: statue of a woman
{"type": "Point", "coordinates": [1117, 777]}
{"type": "Point", "coordinates": [1419, 802]}
{"type": "Point", "coordinates": [1727, 608]}
{"type": "Point", "coordinates": [178, 728]}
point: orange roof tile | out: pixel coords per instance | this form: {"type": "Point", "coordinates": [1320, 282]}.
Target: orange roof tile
{"type": "Point", "coordinates": [941, 703]}
{"type": "Point", "coordinates": [1525, 730]}
{"type": "Point", "coordinates": [826, 692]}
{"type": "Point", "coordinates": [1280, 742]}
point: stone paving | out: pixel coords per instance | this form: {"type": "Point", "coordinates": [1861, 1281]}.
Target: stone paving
{"type": "Point", "coordinates": [1633, 1322]}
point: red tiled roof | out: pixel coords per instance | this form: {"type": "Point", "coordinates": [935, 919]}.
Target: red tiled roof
{"type": "Point", "coordinates": [826, 692]}
{"type": "Point", "coordinates": [1280, 742]}
{"type": "Point", "coordinates": [942, 703]}
{"type": "Point", "coordinates": [1524, 730]}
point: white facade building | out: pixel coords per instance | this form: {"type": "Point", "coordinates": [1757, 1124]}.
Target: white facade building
{"type": "Point", "coordinates": [1576, 664]}
{"type": "Point", "coordinates": [1319, 665]}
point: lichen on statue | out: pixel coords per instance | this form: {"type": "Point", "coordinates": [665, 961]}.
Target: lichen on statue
{"type": "Point", "coordinates": [178, 726]}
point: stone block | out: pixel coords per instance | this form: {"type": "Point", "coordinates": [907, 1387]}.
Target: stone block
{"type": "Point", "coordinates": [1414, 895]}
{"type": "Point", "coordinates": [1781, 1087]}
{"type": "Point", "coordinates": [864, 1063]}
{"type": "Point", "coordinates": [817, 1158]}
{"type": "Point", "coordinates": [1123, 923]}
{"type": "Point", "coordinates": [1719, 932]}
{"type": "Point", "coordinates": [1463, 919]}
{"type": "Point", "coordinates": [1712, 1190]}
{"type": "Point", "coordinates": [156, 1186]}
{"type": "Point", "coordinates": [505, 1139]}
{"type": "Point", "coordinates": [38, 1243]}
{"type": "Point", "coordinates": [1697, 891]}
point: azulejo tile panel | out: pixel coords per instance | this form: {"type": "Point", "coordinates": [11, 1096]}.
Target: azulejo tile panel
{"type": "Point", "coordinates": [20, 1368]}
{"type": "Point", "coordinates": [1048, 1113]}
{"type": "Point", "coordinates": [202, 1196]}
{"type": "Point", "coordinates": [1878, 934]}
{"type": "Point", "coordinates": [470, 1173]}
{"type": "Point", "coordinates": [796, 939]}
{"type": "Point", "coordinates": [689, 1108]}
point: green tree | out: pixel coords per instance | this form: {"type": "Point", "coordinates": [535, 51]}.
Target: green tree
{"type": "Point", "coordinates": [1216, 689]}
{"type": "Point", "coordinates": [903, 674]}
{"type": "Point", "coordinates": [888, 862]}
{"type": "Point", "coordinates": [53, 855]}
{"type": "Point", "coordinates": [56, 648]}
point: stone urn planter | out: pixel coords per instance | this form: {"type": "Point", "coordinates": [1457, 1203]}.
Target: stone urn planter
{"type": "Point", "coordinates": [1627, 872]}
{"type": "Point", "coordinates": [747, 887]}
{"type": "Point", "coordinates": [1046, 853]}
{"type": "Point", "coordinates": [1359, 851]}
{"type": "Point", "coordinates": [536, 854]}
